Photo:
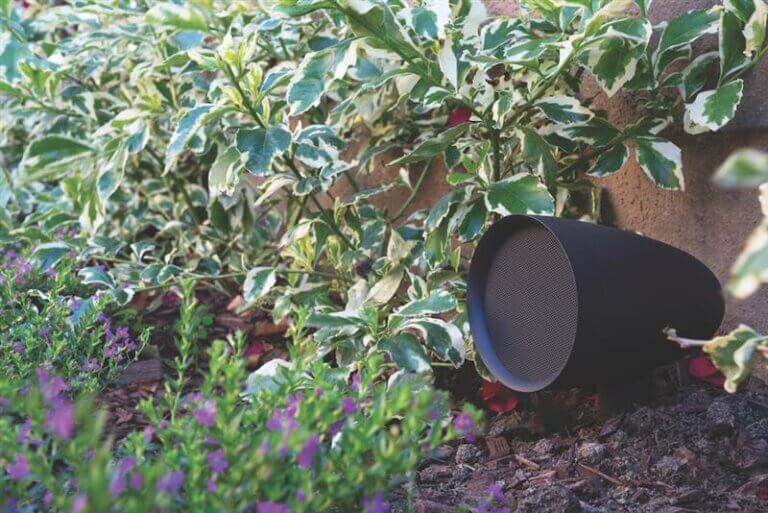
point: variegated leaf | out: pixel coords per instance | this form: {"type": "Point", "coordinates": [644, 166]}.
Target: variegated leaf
{"type": "Point", "coordinates": [732, 354]}
{"type": "Point", "coordinates": [661, 161]}
{"type": "Point", "coordinates": [564, 109]}
{"type": "Point", "coordinates": [610, 161]}
{"type": "Point", "coordinates": [442, 337]}
{"type": "Point", "coordinates": [713, 109]}
{"type": "Point", "coordinates": [744, 168]}
{"type": "Point", "coordinates": [520, 194]}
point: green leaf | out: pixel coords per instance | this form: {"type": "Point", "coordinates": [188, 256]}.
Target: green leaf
{"type": "Point", "coordinates": [610, 161]}
{"type": "Point", "coordinates": [384, 289]}
{"type": "Point", "coordinates": [755, 28]}
{"type": "Point", "coordinates": [443, 338]}
{"type": "Point", "coordinates": [189, 124]}
{"type": "Point", "coordinates": [564, 109]}
{"type": "Point", "coordinates": [269, 377]}
{"type": "Point", "coordinates": [732, 47]}
{"type": "Point", "coordinates": [660, 160]}
{"type": "Point", "coordinates": [743, 168]}
{"type": "Point", "coordinates": [97, 276]}
{"type": "Point", "coordinates": [343, 319]}
{"type": "Point", "coordinates": [713, 109]}
{"type": "Point", "coordinates": [538, 154]}
{"type": "Point", "coordinates": [44, 158]}
{"type": "Point", "coordinates": [750, 270]}
{"type": "Point", "coordinates": [438, 301]}
{"type": "Point", "coordinates": [223, 177]}
{"type": "Point", "coordinates": [184, 17]}
{"type": "Point", "coordinates": [520, 194]}
{"type": "Point", "coordinates": [431, 147]}
{"type": "Point", "coordinates": [442, 208]}
{"type": "Point", "coordinates": [312, 79]}
{"type": "Point", "coordinates": [473, 221]}
{"type": "Point", "coordinates": [614, 62]}
{"type": "Point", "coordinates": [696, 75]}
{"type": "Point", "coordinates": [424, 22]}
{"type": "Point", "coordinates": [597, 133]}
{"type": "Point", "coordinates": [406, 351]}
{"type": "Point", "coordinates": [261, 145]}
{"type": "Point", "coordinates": [435, 245]}
{"type": "Point", "coordinates": [732, 354]}
{"type": "Point", "coordinates": [46, 255]}
{"type": "Point", "coordinates": [258, 282]}
{"type": "Point", "coordinates": [685, 29]}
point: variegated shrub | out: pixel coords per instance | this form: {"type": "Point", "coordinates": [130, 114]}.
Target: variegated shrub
{"type": "Point", "coordinates": [205, 139]}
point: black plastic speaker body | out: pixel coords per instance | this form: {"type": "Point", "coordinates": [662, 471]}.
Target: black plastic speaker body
{"type": "Point", "coordinates": [555, 302]}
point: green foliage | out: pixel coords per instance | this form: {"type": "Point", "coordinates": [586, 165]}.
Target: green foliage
{"type": "Point", "coordinates": [318, 439]}
{"type": "Point", "coordinates": [211, 140]}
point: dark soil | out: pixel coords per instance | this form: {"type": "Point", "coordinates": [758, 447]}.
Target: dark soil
{"type": "Point", "coordinates": [694, 450]}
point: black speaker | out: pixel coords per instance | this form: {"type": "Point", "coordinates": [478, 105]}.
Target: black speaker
{"type": "Point", "coordinates": [556, 302]}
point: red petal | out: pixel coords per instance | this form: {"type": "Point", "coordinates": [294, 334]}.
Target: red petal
{"type": "Point", "coordinates": [497, 397]}
{"type": "Point", "coordinates": [255, 349]}
{"type": "Point", "coordinates": [702, 367]}
{"type": "Point", "coordinates": [459, 116]}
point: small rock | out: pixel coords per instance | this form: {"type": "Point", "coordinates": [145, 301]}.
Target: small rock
{"type": "Point", "coordinates": [552, 499]}
{"type": "Point", "coordinates": [591, 452]}
{"type": "Point", "coordinates": [721, 415]}
{"type": "Point", "coordinates": [545, 447]}
{"type": "Point", "coordinates": [467, 453]}
{"type": "Point", "coordinates": [641, 419]}
{"type": "Point", "coordinates": [444, 452]}
{"type": "Point", "coordinates": [435, 472]}
{"type": "Point", "coordinates": [667, 466]}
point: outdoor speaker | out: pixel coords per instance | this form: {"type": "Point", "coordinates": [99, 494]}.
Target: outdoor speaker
{"type": "Point", "coordinates": [556, 302]}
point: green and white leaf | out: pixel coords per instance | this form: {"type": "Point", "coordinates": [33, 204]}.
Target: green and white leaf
{"type": "Point", "coordinates": [685, 29]}
{"type": "Point", "coordinates": [564, 109]}
{"type": "Point", "coordinates": [713, 109]}
{"type": "Point", "coordinates": [223, 175]}
{"type": "Point", "coordinates": [522, 193]}
{"type": "Point", "coordinates": [743, 168]}
{"type": "Point", "coordinates": [260, 146]}
{"type": "Point", "coordinates": [47, 157]}
{"type": "Point", "coordinates": [184, 17]}
{"type": "Point", "coordinates": [442, 337]}
{"type": "Point", "coordinates": [407, 352]}
{"type": "Point", "coordinates": [661, 161]}
{"type": "Point", "coordinates": [438, 301]}
{"type": "Point", "coordinates": [432, 146]}
{"type": "Point", "coordinates": [386, 288]}
{"type": "Point", "coordinates": [732, 354]}
{"type": "Point", "coordinates": [258, 282]}
{"type": "Point", "coordinates": [538, 155]}
{"type": "Point", "coordinates": [695, 75]}
{"type": "Point", "coordinates": [610, 161]}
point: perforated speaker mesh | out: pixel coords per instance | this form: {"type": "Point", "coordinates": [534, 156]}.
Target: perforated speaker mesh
{"type": "Point", "coordinates": [531, 306]}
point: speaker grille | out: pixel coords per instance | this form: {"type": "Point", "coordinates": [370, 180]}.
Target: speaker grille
{"type": "Point", "coordinates": [531, 306]}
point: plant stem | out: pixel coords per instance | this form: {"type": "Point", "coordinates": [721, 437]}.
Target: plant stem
{"type": "Point", "coordinates": [496, 143]}
{"type": "Point", "coordinates": [238, 274]}
{"type": "Point", "coordinates": [416, 188]}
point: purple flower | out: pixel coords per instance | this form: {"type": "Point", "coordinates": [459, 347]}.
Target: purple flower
{"type": "Point", "coordinates": [4, 403]}
{"type": "Point", "coordinates": [137, 481]}
{"type": "Point", "coordinates": [116, 486]}
{"type": "Point", "coordinates": [79, 504]}
{"type": "Point", "coordinates": [50, 386]}
{"type": "Point", "coordinates": [44, 331]}
{"type": "Point", "coordinates": [211, 485]}
{"type": "Point", "coordinates": [355, 384]}
{"type": "Point", "coordinates": [464, 425]}
{"type": "Point", "coordinates": [375, 505]}
{"type": "Point", "coordinates": [60, 419]}
{"type": "Point", "coordinates": [306, 456]}
{"type": "Point", "coordinates": [496, 493]}
{"type": "Point", "coordinates": [171, 482]}
{"type": "Point", "coordinates": [206, 414]}
{"type": "Point", "coordinates": [51, 273]}
{"type": "Point", "coordinates": [90, 365]}
{"type": "Point", "coordinates": [271, 507]}
{"type": "Point", "coordinates": [19, 469]}
{"type": "Point", "coordinates": [149, 432]}
{"type": "Point", "coordinates": [348, 406]}
{"type": "Point", "coordinates": [217, 461]}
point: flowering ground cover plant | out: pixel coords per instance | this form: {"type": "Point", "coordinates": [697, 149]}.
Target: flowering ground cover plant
{"type": "Point", "coordinates": [322, 439]}
{"type": "Point", "coordinates": [155, 145]}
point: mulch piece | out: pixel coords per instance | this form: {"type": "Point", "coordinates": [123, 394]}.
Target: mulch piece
{"type": "Point", "coordinates": [694, 450]}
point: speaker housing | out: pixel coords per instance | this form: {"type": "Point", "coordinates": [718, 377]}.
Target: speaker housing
{"type": "Point", "coordinates": [556, 303]}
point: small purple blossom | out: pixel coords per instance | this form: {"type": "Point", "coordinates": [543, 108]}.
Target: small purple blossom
{"type": "Point", "coordinates": [206, 414]}
{"type": "Point", "coordinates": [356, 381]}
{"type": "Point", "coordinates": [136, 481]}
{"type": "Point", "coordinates": [4, 403]}
{"type": "Point", "coordinates": [375, 504]}
{"type": "Point", "coordinates": [44, 331]}
{"type": "Point", "coordinates": [60, 419]}
{"type": "Point", "coordinates": [211, 485]}
{"type": "Point", "coordinates": [171, 482]}
{"type": "Point", "coordinates": [348, 406]}
{"type": "Point", "coordinates": [79, 504]}
{"type": "Point", "coordinates": [19, 469]}
{"type": "Point", "coordinates": [306, 456]}
{"type": "Point", "coordinates": [217, 461]}
{"type": "Point", "coordinates": [464, 425]}
{"type": "Point", "coordinates": [116, 486]}
{"type": "Point", "coordinates": [271, 507]}
{"type": "Point", "coordinates": [50, 386]}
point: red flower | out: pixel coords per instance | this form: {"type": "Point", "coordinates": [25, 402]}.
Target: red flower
{"type": "Point", "coordinates": [459, 116]}
{"type": "Point", "coordinates": [701, 367]}
{"type": "Point", "coordinates": [497, 397]}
